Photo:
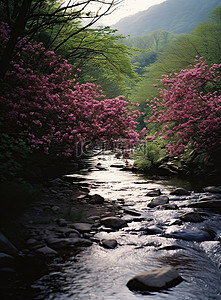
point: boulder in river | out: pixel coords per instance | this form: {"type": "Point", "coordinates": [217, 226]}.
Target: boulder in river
{"type": "Point", "coordinates": [109, 244]}
{"type": "Point", "coordinates": [211, 204]}
{"type": "Point", "coordinates": [161, 200]}
{"type": "Point", "coordinates": [113, 222]}
{"type": "Point", "coordinates": [191, 217]}
{"type": "Point", "coordinates": [180, 192]}
{"type": "Point", "coordinates": [155, 280]}
{"type": "Point", "coordinates": [154, 193]}
{"type": "Point", "coordinates": [82, 227]}
{"type": "Point", "coordinates": [96, 199]}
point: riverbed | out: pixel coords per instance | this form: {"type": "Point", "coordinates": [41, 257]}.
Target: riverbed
{"type": "Point", "coordinates": [153, 238]}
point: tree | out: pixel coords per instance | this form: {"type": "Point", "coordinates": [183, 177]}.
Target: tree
{"type": "Point", "coordinates": [189, 107]}
{"type": "Point", "coordinates": [27, 17]}
{"type": "Point", "coordinates": [55, 112]}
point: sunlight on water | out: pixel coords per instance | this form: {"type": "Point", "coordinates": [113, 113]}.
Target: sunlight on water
{"type": "Point", "coordinates": [102, 274]}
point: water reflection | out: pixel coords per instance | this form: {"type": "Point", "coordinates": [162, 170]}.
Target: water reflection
{"type": "Point", "coordinates": [102, 274]}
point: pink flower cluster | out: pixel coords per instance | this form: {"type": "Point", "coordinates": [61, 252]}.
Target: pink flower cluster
{"type": "Point", "coordinates": [190, 108]}
{"type": "Point", "coordinates": [44, 100]}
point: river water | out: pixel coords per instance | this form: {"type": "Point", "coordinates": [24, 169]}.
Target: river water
{"type": "Point", "coordinates": [102, 274]}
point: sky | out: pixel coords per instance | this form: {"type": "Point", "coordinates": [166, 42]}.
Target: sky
{"type": "Point", "coordinates": [127, 8]}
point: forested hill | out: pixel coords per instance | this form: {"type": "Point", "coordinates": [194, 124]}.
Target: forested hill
{"type": "Point", "coordinates": [175, 16]}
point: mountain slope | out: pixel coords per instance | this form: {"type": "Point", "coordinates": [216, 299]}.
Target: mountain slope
{"type": "Point", "coordinates": [175, 16]}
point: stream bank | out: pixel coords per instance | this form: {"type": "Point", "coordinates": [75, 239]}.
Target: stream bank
{"type": "Point", "coordinates": [81, 253]}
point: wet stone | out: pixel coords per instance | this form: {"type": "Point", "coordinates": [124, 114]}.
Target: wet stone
{"type": "Point", "coordinates": [153, 230]}
{"type": "Point", "coordinates": [155, 280]}
{"type": "Point", "coordinates": [113, 222]}
{"type": "Point", "coordinates": [168, 206]}
{"type": "Point", "coordinates": [109, 244]}
{"type": "Point", "coordinates": [161, 200]}
{"type": "Point", "coordinates": [46, 251]}
{"type": "Point", "coordinates": [82, 227]}
{"type": "Point", "coordinates": [132, 212]}
{"type": "Point", "coordinates": [62, 222]}
{"type": "Point", "coordinates": [154, 193]}
{"type": "Point", "coordinates": [191, 217]}
{"type": "Point", "coordinates": [180, 192]}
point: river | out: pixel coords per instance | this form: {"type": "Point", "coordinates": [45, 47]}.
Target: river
{"type": "Point", "coordinates": [102, 274]}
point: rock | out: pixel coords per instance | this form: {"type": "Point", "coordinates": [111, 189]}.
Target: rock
{"type": "Point", "coordinates": [6, 246]}
{"type": "Point", "coordinates": [158, 201]}
{"type": "Point", "coordinates": [180, 192]}
{"type": "Point", "coordinates": [153, 230]}
{"type": "Point", "coordinates": [191, 217]}
{"type": "Point", "coordinates": [32, 242]}
{"type": "Point", "coordinates": [56, 209]}
{"type": "Point", "coordinates": [132, 212]}
{"type": "Point", "coordinates": [113, 222]}
{"type": "Point", "coordinates": [96, 199]}
{"type": "Point", "coordinates": [58, 244]}
{"type": "Point", "coordinates": [213, 189]}
{"type": "Point", "coordinates": [169, 206]}
{"type": "Point", "coordinates": [154, 193]}
{"type": "Point", "coordinates": [82, 227]}
{"type": "Point", "coordinates": [6, 260]}
{"type": "Point", "coordinates": [66, 231]}
{"type": "Point", "coordinates": [62, 222]}
{"type": "Point", "coordinates": [109, 244]}
{"type": "Point", "coordinates": [117, 165]}
{"type": "Point", "coordinates": [211, 204]}
{"type": "Point", "coordinates": [47, 251]}
{"type": "Point", "coordinates": [155, 280]}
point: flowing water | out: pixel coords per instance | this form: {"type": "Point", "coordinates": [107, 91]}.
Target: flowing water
{"type": "Point", "coordinates": [102, 274]}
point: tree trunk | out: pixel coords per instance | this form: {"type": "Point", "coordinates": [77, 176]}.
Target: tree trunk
{"type": "Point", "coordinates": [16, 32]}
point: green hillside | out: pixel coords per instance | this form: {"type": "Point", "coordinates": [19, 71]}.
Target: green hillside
{"type": "Point", "coordinates": [175, 16]}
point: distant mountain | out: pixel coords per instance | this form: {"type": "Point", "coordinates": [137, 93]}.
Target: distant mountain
{"type": "Point", "coordinates": [175, 16]}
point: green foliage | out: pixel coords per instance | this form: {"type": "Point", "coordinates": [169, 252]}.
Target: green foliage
{"type": "Point", "coordinates": [149, 154]}
{"type": "Point", "coordinates": [13, 154]}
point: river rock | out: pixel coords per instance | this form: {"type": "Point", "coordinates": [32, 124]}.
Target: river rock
{"type": "Point", "coordinates": [211, 204]}
{"type": "Point", "coordinates": [132, 212]}
{"type": "Point", "coordinates": [191, 217]}
{"type": "Point", "coordinates": [168, 206]}
{"type": "Point", "coordinates": [6, 246]}
{"type": "Point", "coordinates": [46, 251]}
{"type": "Point", "coordinates": [96, 199]}
{"type": "Point", "coordinates": [180, 192]}
{"type": "Point", "coordinates": [57, 244]}
{"type": "Point", "coordinates": [66, 231]}
{"type": "Point", "coordinates": [113, 222]}
{"type": "Point", "coordinates": [56, 209]}
{"type": "Point", "coordinates": [155, 280]}
{"type": "Point", "coordinates": [82, 227]}
{"type": "Point", "coordinates": [154, 193]}
{"type": "Point", "coordinates": [153, 230]}
{"type": "Point", "coordinates": [109, 244]}
{"type": "Point", "coordinates": [117, 165]}
{"type": "Point", "coordinates": [158, 201]}
{"type": "Point", "coordinates": [213, 189]}
{"type": "Point", "coordinates": [62, 222]}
